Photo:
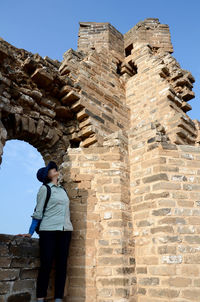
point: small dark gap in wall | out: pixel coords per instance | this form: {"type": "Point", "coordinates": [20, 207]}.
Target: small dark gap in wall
{"type": "Point", "coordinates": [74, 144]}
{"type": "Point", "coordinates": [133, 67]}
{"type": "Point", "coordinates": [118, 70]}
{"type": "Point", "coordinates": [128, 50]}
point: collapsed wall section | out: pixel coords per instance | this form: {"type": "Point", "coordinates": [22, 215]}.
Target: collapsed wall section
{"type": "Point", "coordinates": [102, 102]}
{"type": "Point", "coordinates": [150, 31]}
{"type": "Point", "coordinates": [162, 89]}
{"type": "Point", "coordinates": [97, 35]}
{"type": "Point", "coordinates": [30, 107]}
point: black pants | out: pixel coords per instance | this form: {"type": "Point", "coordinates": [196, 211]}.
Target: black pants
{"type": "Point", "coordinates": [53, 244]}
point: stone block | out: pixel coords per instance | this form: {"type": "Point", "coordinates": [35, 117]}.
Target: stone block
{"type": "Point", "coordinates": [42, 77]}
{"type": "Point", "coordinates": [22, 297]}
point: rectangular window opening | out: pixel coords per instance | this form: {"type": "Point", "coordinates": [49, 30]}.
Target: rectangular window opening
{"type": "Point", "coordinates": [128, 50]}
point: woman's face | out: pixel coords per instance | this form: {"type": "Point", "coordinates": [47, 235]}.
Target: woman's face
{"type": "Point", "coordinates": [52, 173]}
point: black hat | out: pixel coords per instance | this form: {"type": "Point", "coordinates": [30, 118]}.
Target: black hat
{"type": "Point", "coordinates": [43, 172]}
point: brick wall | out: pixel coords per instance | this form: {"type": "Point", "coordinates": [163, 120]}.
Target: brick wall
{"type": "Point", "coordinates": [149, 31]}
{"type": "Point", "coordinates": [165, 207]}
{"type": "Point", "coordinates": [94, 35]}
{"type": "Point", "coordinates": [102, 252]}
{"type": "Point", "coordinates": [19, 263]}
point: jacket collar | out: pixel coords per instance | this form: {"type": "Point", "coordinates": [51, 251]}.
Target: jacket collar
{"type": "Point", "coordinates": [52, 184]}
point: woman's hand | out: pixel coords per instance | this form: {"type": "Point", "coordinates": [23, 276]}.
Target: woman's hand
{"type": "Point", "coordinates": [24, 235]}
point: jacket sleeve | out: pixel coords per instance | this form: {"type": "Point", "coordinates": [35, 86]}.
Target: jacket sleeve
{"type": "Point", "coordinates": [41, 197]}
{"type": "Point", "coordinates": [33, 225]}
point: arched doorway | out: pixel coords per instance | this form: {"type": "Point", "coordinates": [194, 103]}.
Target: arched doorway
{"type": "Point", "coordinates": [19, 186]}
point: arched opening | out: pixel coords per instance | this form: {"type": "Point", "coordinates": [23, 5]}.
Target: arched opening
{"type": "Point", "coordinates": [19, 186]}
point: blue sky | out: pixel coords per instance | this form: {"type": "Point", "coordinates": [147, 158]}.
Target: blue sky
{"type": "Point", "coordinates": [19, 186]}
{"type": "Point", "coordinates": [50, 27]}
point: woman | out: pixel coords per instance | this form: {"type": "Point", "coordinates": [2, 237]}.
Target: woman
{"type": "Point", "coordinates": [54, 232]}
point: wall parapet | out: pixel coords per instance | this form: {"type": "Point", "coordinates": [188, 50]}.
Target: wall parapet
{"type": "Point", "coordinates": [19, 264]}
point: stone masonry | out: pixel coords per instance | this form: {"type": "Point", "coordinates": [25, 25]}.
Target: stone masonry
{"type": "Point", "coordinates": [113, 115]}
{"type": "Point", "coordinates": [19, 264]}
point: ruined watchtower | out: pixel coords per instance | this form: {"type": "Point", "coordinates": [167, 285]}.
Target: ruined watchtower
{"type": "Point", "coordinates": [113, 115]}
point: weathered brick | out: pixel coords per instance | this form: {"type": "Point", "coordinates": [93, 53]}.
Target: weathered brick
{"type": "Point", "coordinates": [178, 281]}
{"type": "Point", "coordinates": [160, 270]}
{"type": "Point", "coordinates": [172, 220]}
{"type": "Point", "coordinates": [156, 195]}
{"type": "Point", "coordinates": [191, 294]}
{"type": "Point", "coordinates": [166, 185]}
{"type": "Point", "coordinates": [192, 259]}
{"type": "Point", "coordinates": [5, 261]}
{"type": "Point", "coordinates": [161, 212]}
{"type": "Point", "coordinates": [148, 281]}
{"type": "Point", "coordinates": [166, 249]}
{"type": "Point", "coordinates": [172, 259]}
{"type": "Point", "coordinates": [192, 239]}
{"type": "Point", "coordinates": [160, 176]}
{"type": "Point", "coordinates": [5, 287]}
{"type": "Point", "coordinates": [113, 281]}
{"type": "Point", "coordinates": [27, 273]}
{"type": "Point", "coordinates": [141, 270]}
{"type": "Point", "coordinates": [161, 229]}
{"type": "Point", "coordinates": [22, 297]}
{"type": "Point", "coordinates": [164, 293]}
{"type": "Point", "coordinates": [9, 274]}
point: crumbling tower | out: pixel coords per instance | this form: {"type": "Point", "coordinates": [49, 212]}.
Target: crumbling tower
{"type": "Point", "coordinates": [113, 115]}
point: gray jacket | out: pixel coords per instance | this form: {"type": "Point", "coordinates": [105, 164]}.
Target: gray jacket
{"type": "Point", "coordinates": [57, 212]}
